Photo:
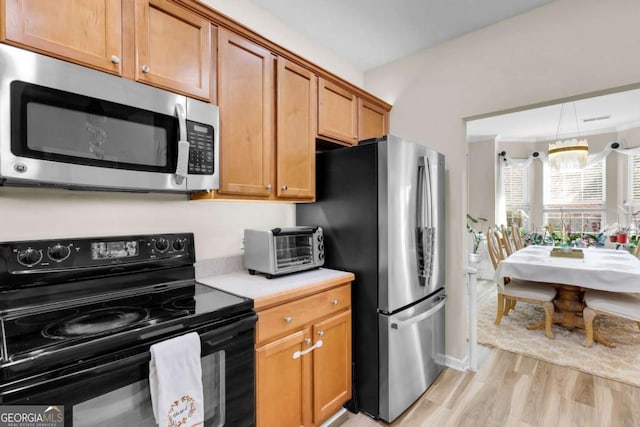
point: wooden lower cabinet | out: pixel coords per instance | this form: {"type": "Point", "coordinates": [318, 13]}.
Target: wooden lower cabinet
{"type": "Point", "coordinates": [304, 377]}
{"type": "Point", "coordinates": [281, 393]}
{"type": "Point", "coordinates": [332, 365]}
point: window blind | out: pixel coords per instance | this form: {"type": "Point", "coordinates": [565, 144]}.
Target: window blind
{"type": "Point", "coordinates": [516, 187]}
{"type": "Point", "coordinates": [575, 189]}
{"type": "Point", "coordinates": [633, 181]}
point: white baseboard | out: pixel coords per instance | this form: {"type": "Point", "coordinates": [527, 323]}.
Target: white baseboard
{"type": "Point", "coordinates": [457, 364]}
{"type": "Point", "coordinates": [338, 416]}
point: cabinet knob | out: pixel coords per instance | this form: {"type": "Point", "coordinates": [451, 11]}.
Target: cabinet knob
{"type": "Point", "coordinates": [320, 333]}
{"type": "Point", "coordinates": [288, 319]}
{"type": "Point", "coordinates": [307, 341]}
{"type": "Point", "coordinates": [115, 59]}
{"type": "Point", "coordinates": [269, 187]}
{"type": "Point", "coordinates": [145, 69]}
{"type": "Point", "coordinates": [285, 188]}
{"type": "Point", "coordinates": [334, 302]}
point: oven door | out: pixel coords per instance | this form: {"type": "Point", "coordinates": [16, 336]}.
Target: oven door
{"type": "Point", "coordinates": [65, 125]}
{"type": "Point", "coordinates": [116, 393]}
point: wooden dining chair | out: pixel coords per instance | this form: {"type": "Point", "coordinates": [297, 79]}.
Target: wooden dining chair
{"type": "Point", "coordinates": [510, 290]}
{"type": "Point", "coordinates": [506, 241]}
{"type": "Point", "coordinates": [516, 237]}
{"type": "Point", "coordinates": [619, 304]}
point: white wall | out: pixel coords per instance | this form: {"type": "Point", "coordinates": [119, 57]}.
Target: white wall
{"type": "Point", "coordinates": [27, 213]}
{"type": "Point", "coordinates": [482, 195]}
{"type": "Point", "coordinates": [565, 48]}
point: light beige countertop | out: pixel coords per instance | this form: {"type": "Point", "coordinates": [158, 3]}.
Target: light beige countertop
{"type": "Point", "coordinates": [267, 292]}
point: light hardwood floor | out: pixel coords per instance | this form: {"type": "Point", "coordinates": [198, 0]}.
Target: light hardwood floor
{"type": "Point", "coordinates": [515, 390]}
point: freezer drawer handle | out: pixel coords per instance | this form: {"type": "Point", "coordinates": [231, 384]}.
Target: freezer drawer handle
{"type": "Point", "coordinates": [299, 354]}
{"type": "Point", "coordinates": [405, 323]}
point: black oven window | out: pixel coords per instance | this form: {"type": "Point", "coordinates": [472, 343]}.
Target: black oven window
{"type": "Point", "coordinates": [60, 126]}
{"type": "Point", "coordinates": [131, 405]}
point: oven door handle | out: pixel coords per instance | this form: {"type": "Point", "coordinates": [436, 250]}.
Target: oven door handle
{"type": "Point", "coordinates": [182, 162]}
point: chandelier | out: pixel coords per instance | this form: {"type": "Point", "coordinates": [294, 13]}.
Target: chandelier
{"type": "Point", "coordinates": [570, 154]}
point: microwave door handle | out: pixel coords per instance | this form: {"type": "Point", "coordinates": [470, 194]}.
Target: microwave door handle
{"type": "Point", "coordinates": [183, 146]}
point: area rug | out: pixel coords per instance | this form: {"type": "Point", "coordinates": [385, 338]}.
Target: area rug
{"type": "Point", "coordinates": [621, 363]}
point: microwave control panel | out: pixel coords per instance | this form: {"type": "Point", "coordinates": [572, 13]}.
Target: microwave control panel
{"type": "Point", "coordinates": [200, 137]}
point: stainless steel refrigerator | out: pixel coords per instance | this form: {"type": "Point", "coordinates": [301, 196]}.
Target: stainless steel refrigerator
{"type": "Point", "coordinates": [381, 207]}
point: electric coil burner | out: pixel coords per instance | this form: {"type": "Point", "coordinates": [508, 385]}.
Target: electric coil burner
{"type": "Point", "coordinates": [77, 318]}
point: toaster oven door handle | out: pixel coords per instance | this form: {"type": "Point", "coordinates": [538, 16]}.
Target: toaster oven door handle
{"type": "Point", "coordinates": [183, 146]}
{"type": "Point", "coordinates": [293, 231]}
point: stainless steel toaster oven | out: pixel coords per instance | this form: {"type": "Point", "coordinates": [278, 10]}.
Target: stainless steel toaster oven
{"type": "Point", "coordinates": [283, 250]}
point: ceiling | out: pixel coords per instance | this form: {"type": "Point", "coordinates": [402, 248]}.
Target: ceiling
{"type": "Point", "coordinates": [596, 115]}
{"type": "Point", "coordinates": [370, 33]}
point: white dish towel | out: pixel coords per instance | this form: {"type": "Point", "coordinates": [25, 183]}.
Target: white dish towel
{"type": "Point", "coordinates": [175, 382]}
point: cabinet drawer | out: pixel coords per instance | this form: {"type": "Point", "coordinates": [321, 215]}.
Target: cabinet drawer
{"type": "Point", "coordinates": [293, 315]}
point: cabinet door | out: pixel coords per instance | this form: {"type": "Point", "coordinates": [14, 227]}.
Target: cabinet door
{"type": "Point", "coordinates": [60, 28]}
{"type": "Point", "coordinates": [296, 130]}
{"type": "Point", "coordinates": [373, 120]}
{"type": "Point", "coordinates": [337, 114]}
{"type": "Point", "coordinates": [173, 48]}
{"type": "Point", "coordinates": [246, 88]}
{"type": "Point", "coordinates": [331, 365]}
{"type": "Point", "coordinates": [283, 382]}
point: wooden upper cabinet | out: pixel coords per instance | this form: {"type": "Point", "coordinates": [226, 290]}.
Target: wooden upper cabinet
{"type": "Point", "coordinates": [173, 48]}
{"type": "Point", "coordinates": [337, 113]}
{"type": "Point", "coordinates": [246, 91]}
{"type": "Point", "coordinates": [83, 31]}
{"type": "Point", "coordinates": [296, 107]}
{"type": "Point", "coordinates": [373, 120]}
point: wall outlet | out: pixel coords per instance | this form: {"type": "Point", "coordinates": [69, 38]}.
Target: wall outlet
{"type": "Point", "coordinates": [242, 242]}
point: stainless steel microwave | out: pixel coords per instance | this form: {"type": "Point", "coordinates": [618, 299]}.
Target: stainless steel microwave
{"type": "Point", "coordinates": [66, 125]}
{"type": "Point", "coordinates": [283, 250]}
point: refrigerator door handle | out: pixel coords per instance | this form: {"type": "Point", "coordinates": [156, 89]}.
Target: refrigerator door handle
{"type": "Point", "coordinates": [400, 324]}
{"type": "Point", "coordinates": [425, 232]}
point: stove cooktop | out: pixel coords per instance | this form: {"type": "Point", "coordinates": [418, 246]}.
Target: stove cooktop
{"type": "Point", "coordinates": [47, 336]}
{"type": "Point", "coordinates": [104, 297]}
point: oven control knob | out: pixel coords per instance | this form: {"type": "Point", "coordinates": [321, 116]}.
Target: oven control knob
{"type": "Point", "coordinates": [178, 245]}
{"type": "Point", "coordinates": [29, 257]}
{"type": "Point", "coordinates": [59, 252]}
{"type": "Point", "coordinates": [162, 244]}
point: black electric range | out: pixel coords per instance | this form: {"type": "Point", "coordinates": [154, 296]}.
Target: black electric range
{"type": "Point", "coordinates": [72, 305]}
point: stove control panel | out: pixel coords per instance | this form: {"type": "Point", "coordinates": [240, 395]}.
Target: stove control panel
{"type": "Point", "coordinates": [95, 252]}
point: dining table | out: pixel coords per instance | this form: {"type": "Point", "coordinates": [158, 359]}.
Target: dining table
{"type": "Point", "coordinates": [572, 271]}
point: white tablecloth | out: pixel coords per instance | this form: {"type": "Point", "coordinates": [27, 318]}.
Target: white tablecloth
{"type": "Point", "coordinates": [604, 269]}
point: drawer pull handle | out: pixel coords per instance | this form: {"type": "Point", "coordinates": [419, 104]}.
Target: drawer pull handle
{"type": "Point", "coordinates": [299, 354]}
{"type": "Point", "coordinates": [320, 333]}
{"type": "Point", "coordinates": [334, 302]}
{"type": "Point", "coordinates": [288, 319]}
